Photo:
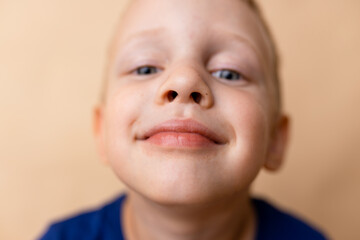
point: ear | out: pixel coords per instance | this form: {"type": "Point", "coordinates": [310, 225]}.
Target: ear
{"type": "Point", "coordinates": [278, 144]}
{"type": "Point", "coordinates": [98, 130]}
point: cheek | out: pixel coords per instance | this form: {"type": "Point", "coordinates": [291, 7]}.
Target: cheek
{"type": "Point", "coordinates": [248, 116]}
{"type": "Point", "coordinates": [123, 109]}
{"type": "Point", "coordinates": [126, 101]}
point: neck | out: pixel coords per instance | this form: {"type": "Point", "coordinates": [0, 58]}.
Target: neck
{"type": "Point", "coordinates": [227, 219]}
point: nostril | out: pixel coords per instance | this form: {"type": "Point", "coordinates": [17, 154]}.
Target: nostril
{"type": "Point", "coordinates": [196, 96]}
{"type": "Point", "coordinates": [171, 95]}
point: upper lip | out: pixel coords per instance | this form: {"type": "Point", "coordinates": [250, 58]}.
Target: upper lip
{"type": "Point", "coordinates": [183, 126]}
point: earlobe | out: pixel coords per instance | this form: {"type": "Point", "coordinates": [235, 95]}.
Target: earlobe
{"type": "Point", "coordinates": [98, 131]}
{"type": "Point", "coordinates": [278, 144]}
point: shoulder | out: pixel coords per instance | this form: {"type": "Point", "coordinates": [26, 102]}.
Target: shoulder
{"type": "Point", "coordinates": [274, 223]}
{"type": "Point", "coordinates": [89, 224]}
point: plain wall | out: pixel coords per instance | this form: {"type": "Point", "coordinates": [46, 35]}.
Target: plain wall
{"type": "Point", "coordinates": [51, 64]}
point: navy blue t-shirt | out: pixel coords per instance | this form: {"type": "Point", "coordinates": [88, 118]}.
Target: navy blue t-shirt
{"type": "Point", "coordinates": [105, 224]}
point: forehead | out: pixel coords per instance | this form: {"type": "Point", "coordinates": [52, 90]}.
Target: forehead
{"type": "Point", "coordinates": [190, 20]}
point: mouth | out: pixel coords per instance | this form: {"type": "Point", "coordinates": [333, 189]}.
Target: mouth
{"type": "Point", "coordinates": [182, 133]}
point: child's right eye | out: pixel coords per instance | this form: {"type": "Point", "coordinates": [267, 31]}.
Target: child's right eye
{"type": "Point", "coordinates": [146, 70]}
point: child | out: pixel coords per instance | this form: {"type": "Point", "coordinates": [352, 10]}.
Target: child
{"type": "Point", "coordinates": [190, 114]}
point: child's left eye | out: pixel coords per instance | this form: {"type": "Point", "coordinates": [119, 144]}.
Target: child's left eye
{"type": "Point", "coordinates": [146, 70]}
{"type": "Point", "coordinates": [227, 74]}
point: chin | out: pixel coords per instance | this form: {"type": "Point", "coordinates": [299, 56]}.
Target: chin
{"type": "Point", "coordinates": [182, 196]}
{"type": "Point", "coordinates": [179, 198]}
{"type": "Point", "coordinates": [181, 182]}
{"type": "Point", "coordinates": [184, 193]}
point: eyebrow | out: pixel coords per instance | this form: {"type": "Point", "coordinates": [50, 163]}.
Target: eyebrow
{"type": "Point", "coordinates": [145, 34]}
{"type": "Point", "coordinates": [242, 39]}
{"type": "Point", "coordinates": [159, 31]}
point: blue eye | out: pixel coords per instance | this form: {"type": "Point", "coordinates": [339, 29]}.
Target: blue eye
{"type": "Point", "coordinates": [227, 74]}
{"type": "Point", "coordinates": [146, 70]}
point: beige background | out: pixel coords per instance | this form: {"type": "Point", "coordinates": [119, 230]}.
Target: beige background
{"type": "Point", "coordinates": [51, 62]}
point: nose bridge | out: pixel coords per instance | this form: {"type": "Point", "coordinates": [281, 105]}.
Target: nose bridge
{"type": "Point", "coordinates": [185, 84]}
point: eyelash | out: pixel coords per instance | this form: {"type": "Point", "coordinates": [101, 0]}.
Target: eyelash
{"type": "Point", "coordinates": [146, 70]}
{"type": "Point", "coordinates": [226, 74]}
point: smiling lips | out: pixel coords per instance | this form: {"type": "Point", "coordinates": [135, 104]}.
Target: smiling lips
{"type": "Point", "coordinates": [182, 133]}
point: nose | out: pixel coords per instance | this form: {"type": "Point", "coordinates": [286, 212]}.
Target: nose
{"type": "Point", "coordinates": [185, 85]}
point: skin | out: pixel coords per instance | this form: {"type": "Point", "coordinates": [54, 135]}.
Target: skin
{"type": "Point", "coordinates": [193, 191]}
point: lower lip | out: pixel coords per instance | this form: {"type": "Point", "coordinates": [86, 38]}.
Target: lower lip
{"type": "Point", "coordinates": [176, 139]}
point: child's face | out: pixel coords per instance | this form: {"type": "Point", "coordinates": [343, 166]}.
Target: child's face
{"type": "Point", "coordinates": [187, 116]}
